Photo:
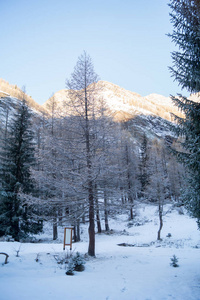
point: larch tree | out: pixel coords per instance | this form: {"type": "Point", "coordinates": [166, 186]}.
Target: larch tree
{"type": "Point", "coordinates": [185, 17]}
{"type": "Point", "coordinates": [107, 165]}
{"type": "Point", "coordinates": [52, 174]}
{"type": "Point", "coordinates": [82, 92]}
{"type": "Point", "coordinates": [129, 166]}
{"type": "Point", "coordinates": [157, 180]}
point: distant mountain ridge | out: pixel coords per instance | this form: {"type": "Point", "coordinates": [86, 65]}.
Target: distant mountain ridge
{"type": "Point", "coordinates": [124, 104]}
{"type": "Point", "coordinates": [9, 90]}
{"type": "Point", "coordinates": [150, 115]}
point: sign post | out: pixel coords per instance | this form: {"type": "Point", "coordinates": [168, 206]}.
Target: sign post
{"type": "Point", "coordinates": [67, 237]}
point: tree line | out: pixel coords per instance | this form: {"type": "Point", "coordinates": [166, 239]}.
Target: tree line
{"type": "Point", "coordinates": [80, 166]}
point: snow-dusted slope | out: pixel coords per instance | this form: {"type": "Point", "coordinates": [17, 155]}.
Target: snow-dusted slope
{"type": "Point", "coordinates": [14, 92]}
{"type": "Point", "coordinates": [124, 104]}
{"type": "Point", "coordinates": [139, 271]}
{"type": "Point", "coordinates": [150, 114]}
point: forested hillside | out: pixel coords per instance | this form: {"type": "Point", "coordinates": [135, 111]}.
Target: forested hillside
{"type": "Point", "coordinates": [90, 152]}
{"type": "Point", "coordinates": [130, 161]}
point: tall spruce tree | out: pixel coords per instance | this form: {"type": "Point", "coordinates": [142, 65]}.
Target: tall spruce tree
{"type": "Point", "coordinates": [17, 157]}
{"type": "Point", "coordinates": [185, 17]}
{"type": "Point", "coordinates": [143, 165]}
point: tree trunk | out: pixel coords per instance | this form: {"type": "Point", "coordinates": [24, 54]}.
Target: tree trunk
{"type": "Point", "coordinates": [106, 211]}
{"type": "Point", "coordinates": [122, 195]}
{"type": "Point", "coordinates": [83, 216]}
{"type": "Point", "coordinates": [161, 221]}
{"type": "Point", "coordinates": [14, 219]}
{"type": "Point", "coordinates": [131, 213]}
{"type": "Point", "coordinates": [130, 198]}
{"type": "Point", "coordinates": [91, 231]}
{"type": "Point", "coordinates": [97, 210]}
{"type": "Point", "coordinates": [55, 228]}
{"type": "Point", "coordinates": [75, 235]}
{"type": "Point", "coordinates": [98, 217]}
{"type": "Point", "coordinates": [76, 226]}
{"type": "Point", "coordinates": [78, 231]}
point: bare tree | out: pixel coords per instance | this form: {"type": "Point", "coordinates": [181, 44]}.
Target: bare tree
{"type": "Point", "coordinates": [82, 86]}
{"type": "Point", "coordinates": [158, 180]}
{"type": "Point", "coordinates": [129, 167]}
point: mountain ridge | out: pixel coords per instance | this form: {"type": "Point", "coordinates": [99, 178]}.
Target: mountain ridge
{"type": "Point", "coordinates": [8, 90]}
{"type": "Point", "coordinates": [123, 104]}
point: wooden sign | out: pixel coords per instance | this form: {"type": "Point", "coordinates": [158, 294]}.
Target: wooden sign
{"type": "Point", "coordinates": [67, 237]}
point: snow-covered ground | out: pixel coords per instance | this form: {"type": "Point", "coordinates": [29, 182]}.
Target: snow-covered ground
{"type": "Point", "coordinates": [140, 271]}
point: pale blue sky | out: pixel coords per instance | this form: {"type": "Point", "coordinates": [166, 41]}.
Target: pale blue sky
{"type": "Point", "coordinates": [42, 39]}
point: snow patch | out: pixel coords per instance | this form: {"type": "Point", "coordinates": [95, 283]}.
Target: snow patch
{"type": "Point", "coordinates": [138, 272]}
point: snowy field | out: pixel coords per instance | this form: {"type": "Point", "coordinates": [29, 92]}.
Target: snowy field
{"type": "Point", "coordinates": [140, 271]}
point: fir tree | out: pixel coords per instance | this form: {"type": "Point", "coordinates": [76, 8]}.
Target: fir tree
{"type": "Point", "coordinates": [79, 262]}
{"type": "Point", "coordinates": [17, 157]}
{"type": "Point", "coordinates": [174, 261]}
{"type": "Point", "coordinates": [143, 165]}
{"type": "Point", "coordinates": [185, 17]}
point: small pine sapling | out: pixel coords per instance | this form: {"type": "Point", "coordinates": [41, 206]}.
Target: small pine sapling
{"type": "Point", "coordinates": [79, 262]}
{"type": "Point", "coordinates": [70, 268]}
{"type": "Point", "coordinates": [174, 261]}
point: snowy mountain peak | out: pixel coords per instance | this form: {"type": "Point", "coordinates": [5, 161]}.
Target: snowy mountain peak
{"type": "Point", "coordinates": [124, 104]}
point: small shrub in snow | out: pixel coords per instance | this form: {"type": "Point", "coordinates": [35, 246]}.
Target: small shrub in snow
{"type": "Point", "coordinates": [79, 262]}
{"type": "Point", "coordinates": [130, 224]}
{"type": "Point", "coordinates": [169, 235]}
{"type": "Point", "coordinates": [70, 268]}
{"type": "Point", "coordinates": [76, 263]}
{"type": "Point", "coordinates": [174, 262]}
{"type": "Point", "coordinates": [62, 259]}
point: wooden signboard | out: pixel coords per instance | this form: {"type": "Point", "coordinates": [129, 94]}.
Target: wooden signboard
{"type": "Point", "coordinates": [67, 237]}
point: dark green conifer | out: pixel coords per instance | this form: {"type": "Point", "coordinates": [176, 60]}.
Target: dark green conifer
{"type": "Point", "coordinates": [143, 165]}
{"type": "Point", "coordinates": [17, 158]}
{"type": "Point", "coordinates": [185, 17]}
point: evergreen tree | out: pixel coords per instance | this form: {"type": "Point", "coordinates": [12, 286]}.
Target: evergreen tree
{"type": "Point", "coordinates": [17, 157]}
{"type": "Point", "coordinates": [143, 165]}
{"type": "Point", "coordinates": [185, 17]}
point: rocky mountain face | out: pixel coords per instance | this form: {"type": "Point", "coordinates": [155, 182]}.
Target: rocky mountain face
{"type": "Point", "coordinates": [150, 114]}
{"type": "Point", "coordinates": [10, 91]}
{"type": "Point", "coordinates": [124, 104]}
